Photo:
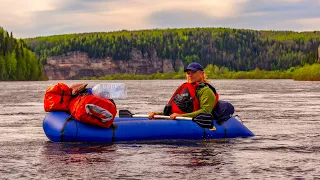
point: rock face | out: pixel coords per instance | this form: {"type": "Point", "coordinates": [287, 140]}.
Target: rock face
{"type": "Point", "coordinates": [319, 54]}
{"type": "Point", "coordinates": [76, 65]}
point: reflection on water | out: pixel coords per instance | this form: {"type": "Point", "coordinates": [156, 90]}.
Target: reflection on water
{"type": "Point", "coordinates": [130, 158]}
{"type": "Point", "coordinates": [283, 114]}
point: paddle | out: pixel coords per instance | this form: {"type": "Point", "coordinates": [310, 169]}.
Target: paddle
{"type": "Point", "coordinates": [203, 120]}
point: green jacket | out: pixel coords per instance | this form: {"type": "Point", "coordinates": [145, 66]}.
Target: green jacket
{"type": "Point", "coordinates": [207, 100]}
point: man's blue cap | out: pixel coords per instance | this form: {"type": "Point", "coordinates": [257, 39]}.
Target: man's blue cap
{"type": "Point", "coordinates": [194, 66]}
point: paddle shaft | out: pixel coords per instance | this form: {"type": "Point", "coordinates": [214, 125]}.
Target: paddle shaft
{"type": "Point", "coordinates": [161, 117]}
{"type": "Point", "coordinates": [204, 120]}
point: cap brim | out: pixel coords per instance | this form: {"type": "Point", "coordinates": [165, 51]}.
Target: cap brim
{"type": "Point", "coordinates": [192, 69]}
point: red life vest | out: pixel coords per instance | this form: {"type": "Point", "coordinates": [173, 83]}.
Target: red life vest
{"type": "Point", "coordinates": [185, 99]}
{"type": "Point", "coordinates": [93, 110]}
{"type": "Point", "coordinates": [57, 97]}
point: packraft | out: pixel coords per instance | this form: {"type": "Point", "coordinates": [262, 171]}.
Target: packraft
{"type": "Point", "coordinates": [59, 128]}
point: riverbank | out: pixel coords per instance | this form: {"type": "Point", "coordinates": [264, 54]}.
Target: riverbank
{"type": "Point", "coordinates": [305, 73]}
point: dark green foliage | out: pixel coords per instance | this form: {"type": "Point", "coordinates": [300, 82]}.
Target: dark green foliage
{"type": "Point", "coordinates": [305, 73]}
{"type": "Point", "coordinates": [236, 49]}
{"type": "Point", "coordinates": [17, 62]}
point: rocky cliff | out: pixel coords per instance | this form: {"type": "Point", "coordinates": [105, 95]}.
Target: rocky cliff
{"type": "Point", "coordinates": [75, 65]}
{"type": "Point", "coordinates": [319, 54]}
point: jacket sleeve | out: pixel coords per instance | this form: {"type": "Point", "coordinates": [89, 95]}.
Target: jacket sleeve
{"type": "Point", "coordinates": [206, 100]}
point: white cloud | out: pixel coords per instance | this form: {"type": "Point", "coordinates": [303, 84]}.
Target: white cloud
{"type": "Point", "coordinates": [15, 15]}
{"type": "Point", "coordinates": [19, 7]}
{"type": "Point", "coordinates": [307, 24]}
{"type": "Point", "coordinates": [291, 1]}
{"type": "Point", "coordinates": [28, 18]}
{"type": "Point", "coordinates": [216, 8]}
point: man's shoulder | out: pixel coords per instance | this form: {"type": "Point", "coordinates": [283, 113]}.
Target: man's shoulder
{"type": "Point", "coordinates": [204, 89]}
{"type": "Point", "coordinates": [203, 86]}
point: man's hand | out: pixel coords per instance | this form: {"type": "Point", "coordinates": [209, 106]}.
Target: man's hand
{"type": "Point", "coordinates": [174, 115]}
{"type": "Point", "coordinates": [151, 115]}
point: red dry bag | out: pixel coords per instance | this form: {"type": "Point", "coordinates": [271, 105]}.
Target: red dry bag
{"type": "Point", "coordinates": [93, 110]}
{"type": "Point", "coordinates": [57, 98]}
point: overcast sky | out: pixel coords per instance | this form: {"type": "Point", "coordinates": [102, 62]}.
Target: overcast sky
{"type": "Point", "coordinates": [30, 18]}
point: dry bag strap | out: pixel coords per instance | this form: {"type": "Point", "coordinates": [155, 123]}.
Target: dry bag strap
{"type": "Point", "coordinates": [68, 119]}
{"type": "Point", "coordinates": [212, 88]}
{"type": "Point", "coordinates": [113, 127]}
{"type": "Point", "coordinates": [92, 109]}
{"type": "Point", "coordinates": [62, 95]}
{"type": "Point", "coordinates": [74, 109]}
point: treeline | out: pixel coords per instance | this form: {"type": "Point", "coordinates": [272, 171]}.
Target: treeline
{"type": "Point", "coordinates": [236, 49]}
{"type": "Point", "coordinates": [305, 73]}
{"type": "Point", "coordinates": [17, 62]}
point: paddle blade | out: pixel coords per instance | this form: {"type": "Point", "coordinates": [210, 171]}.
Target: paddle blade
{"type": "Point", "coordinates": [204, 120]}
{"type": "Point", "coordinates": [125, 113]}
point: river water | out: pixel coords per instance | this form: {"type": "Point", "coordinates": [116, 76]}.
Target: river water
{"type": "Point", "coordinates": [284, 115]}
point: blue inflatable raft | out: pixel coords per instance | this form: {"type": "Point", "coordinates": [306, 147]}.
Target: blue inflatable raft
{"type": "Point", "coordinates": [58, 127]}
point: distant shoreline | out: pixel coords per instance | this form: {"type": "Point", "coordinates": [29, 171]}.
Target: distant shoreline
{"type": "Point", "coordinates": [305, 73]}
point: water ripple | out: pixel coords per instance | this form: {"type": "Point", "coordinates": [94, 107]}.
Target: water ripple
{"type": "Point", "coordinates": [284, 115]}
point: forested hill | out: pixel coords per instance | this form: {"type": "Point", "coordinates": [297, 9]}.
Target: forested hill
{"type": "Point", "coordinates": [237, 49]}
{"type": "Point", "coordinates": [17, 62]}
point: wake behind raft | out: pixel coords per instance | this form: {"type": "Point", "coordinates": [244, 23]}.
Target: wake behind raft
{"type": "Point", "coordinates": [59, 127]}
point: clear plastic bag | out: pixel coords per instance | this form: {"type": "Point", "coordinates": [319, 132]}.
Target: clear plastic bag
{"type": "Point", "coordinates": [110, 90]}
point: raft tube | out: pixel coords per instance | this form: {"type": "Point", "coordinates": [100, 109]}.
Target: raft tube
{"type": "Point", "coordinates": [58, 127]}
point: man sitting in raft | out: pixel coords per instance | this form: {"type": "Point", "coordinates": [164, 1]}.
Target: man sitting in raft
{"type": "Point", "coordinates": [193, 97]}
